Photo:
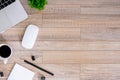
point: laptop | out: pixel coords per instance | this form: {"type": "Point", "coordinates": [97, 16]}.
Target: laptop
{"type": "Point", "coordinates": [11, 13]}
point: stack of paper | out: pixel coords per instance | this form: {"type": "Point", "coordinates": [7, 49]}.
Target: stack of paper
{"type": "Point", "coordinates": [21, 73]}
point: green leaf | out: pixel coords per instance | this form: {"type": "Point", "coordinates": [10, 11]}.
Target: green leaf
{"type": "Point", "coordinates": [38, 4]}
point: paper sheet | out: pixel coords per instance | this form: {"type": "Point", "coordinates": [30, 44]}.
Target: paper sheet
{"type": "Point", "coordinates": [21, 73]}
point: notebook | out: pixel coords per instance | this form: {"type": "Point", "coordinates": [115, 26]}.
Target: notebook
{"type": "Point", "coordinates": [21, 73]}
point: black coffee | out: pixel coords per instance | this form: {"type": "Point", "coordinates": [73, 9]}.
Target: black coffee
{"type": "Point", "coordinates": [5, 51]}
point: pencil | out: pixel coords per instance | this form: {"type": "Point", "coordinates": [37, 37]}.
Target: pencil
{"type": "Point", "coordinates": [38, 67]}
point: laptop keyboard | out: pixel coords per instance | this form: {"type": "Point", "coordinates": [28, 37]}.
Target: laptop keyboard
{"type": "Point", "coordinates": [4, 3]}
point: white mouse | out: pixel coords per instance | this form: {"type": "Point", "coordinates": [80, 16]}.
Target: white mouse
{"type": "Point", "coordinates": [30, 36]}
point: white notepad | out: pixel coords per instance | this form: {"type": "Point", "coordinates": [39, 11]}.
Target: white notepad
{"type": "Point", "coordinates": [21, 73]}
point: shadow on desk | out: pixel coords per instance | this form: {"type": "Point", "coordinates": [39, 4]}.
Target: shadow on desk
{"type": "Point", "coordinates": [2, 40]}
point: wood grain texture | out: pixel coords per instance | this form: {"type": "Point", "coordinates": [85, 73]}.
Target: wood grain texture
{"type": "Point", "coordinates": [100, 72]}
{"type": "Point", "coordinates": [80, 20]}
{"type": "Point", "coordinates": [78, 40]}
{"type": "Point", "coordinates": [45, 34]}
{"type": "Point", "coordinates": [100, 33]}
{"type": "Point", "coordinates": [86, 2]}
{"type": "Point", "coordinates": [63, 9]}
{"type": "Point", "coordinates": [101, 10]}
{"type": "Point", "coordinates": [83, 57]}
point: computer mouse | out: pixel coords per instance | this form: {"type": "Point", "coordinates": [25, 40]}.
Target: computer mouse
{"type": "Point", "coordinates": [30, 36]}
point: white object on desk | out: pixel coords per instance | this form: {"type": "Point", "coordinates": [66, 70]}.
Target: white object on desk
{"type": "Point", "coordinates": [30, 36]}
{"type": "Point", "coordinates": [21, 73]}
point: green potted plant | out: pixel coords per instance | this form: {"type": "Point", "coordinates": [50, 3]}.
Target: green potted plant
{"type": "Point", "coordinates": [38, 4]}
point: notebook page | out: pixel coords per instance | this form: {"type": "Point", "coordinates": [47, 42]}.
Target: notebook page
{"type": "Point", "coordinates": [21, 73]}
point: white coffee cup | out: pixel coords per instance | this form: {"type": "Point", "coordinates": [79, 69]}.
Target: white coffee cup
{"type": "Point", "coordinates": [5, 52]}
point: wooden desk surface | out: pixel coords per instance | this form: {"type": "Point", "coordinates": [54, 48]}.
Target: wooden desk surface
{"type": "Point", "coordinates": [78, 40]}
